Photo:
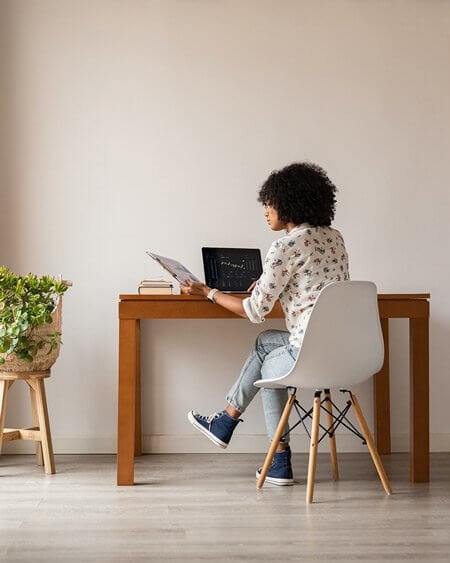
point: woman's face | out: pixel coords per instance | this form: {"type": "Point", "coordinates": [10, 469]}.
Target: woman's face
{"type": "Point", "coordinates": [271, 216]}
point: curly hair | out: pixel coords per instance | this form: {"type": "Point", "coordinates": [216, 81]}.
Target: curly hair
{"type": "Point", "coordinates": [300, 193]}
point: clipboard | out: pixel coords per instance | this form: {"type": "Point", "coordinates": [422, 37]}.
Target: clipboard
{"type": "Point", "coordinates": [175, 268]}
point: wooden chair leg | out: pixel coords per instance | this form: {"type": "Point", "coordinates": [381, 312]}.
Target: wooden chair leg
{"type": "Point", "coordinates": [39, 457]}
{"type": "Point", "coordinates": [371, 445]}
{"type": "Point", "coordinates": [332, 440]}
{"type": "Point", "coordinates": [276, 440]}
{"type": "Point", "coordinates": [313, 448]}
{"type": "Point", "coordinates": [44, 425]}
{"type": "Point", "coordinates": [4, 387]}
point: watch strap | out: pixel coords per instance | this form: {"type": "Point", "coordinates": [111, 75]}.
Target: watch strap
{"type": "Point", "coordinates": [211, 294]}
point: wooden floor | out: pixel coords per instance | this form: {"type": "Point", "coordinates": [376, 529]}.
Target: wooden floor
{"type": "Point", "coordinates": [199, 507]}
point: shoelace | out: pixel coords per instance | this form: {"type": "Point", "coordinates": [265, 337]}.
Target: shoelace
{"type": "Point", "coordinates": [211, 417]}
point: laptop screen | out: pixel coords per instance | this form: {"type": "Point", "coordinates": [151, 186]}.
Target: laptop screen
{"type": "Point", "coordinates": [231, 269]}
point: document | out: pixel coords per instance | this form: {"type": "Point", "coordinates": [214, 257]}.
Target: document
{"type": "Point", "coordinates": [175, 269]}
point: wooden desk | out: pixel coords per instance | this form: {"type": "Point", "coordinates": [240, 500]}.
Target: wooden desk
{"type": "Point", "coordinates": [133, 308]}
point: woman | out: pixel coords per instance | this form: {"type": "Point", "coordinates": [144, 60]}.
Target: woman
{"type": "Point", "coordinates": [300, 199]}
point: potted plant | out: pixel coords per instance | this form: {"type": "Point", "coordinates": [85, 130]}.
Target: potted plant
{"type": "Point", "coordinates": [30, 321]}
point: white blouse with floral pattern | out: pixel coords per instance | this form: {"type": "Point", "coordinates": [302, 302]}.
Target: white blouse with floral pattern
{"type": "Point", "coordinates": [297, 266]}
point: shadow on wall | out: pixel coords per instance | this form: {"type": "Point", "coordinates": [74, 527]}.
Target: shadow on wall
{"type": "Point", "coordinates": [9, 140]}
{"type": "Point", "coordinates": [11, 145]}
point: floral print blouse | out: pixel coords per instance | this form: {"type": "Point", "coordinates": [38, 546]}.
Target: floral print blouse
{"type": "Point", "coordinates": [297, 266]}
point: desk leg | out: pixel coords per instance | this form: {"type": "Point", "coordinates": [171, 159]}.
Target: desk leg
{"type": "Point", "coordinates": [381, 398]}
{"type": "Point", "coordinates": [138, 407]}
{"type": "Point", "coordinates": [127, 401]}
{"type": "Point", "coordinates": [419, 468]}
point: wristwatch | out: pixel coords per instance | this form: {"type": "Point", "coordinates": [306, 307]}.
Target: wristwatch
{"type": "Point", "coordinates": [211, 294]}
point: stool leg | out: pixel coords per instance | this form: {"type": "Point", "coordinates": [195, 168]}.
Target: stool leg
{"type": "Point", "coordinates": [44, 425]}
{"type": "Point", "coordinates": [371, 445]}
{"type": "Point", "coordinates": [313, 448]}
{"type": "Point", "coordinates": [4, 386]}
{"type": "Point", "coordinates": [39, 457]}
{"type": "Point", "coordinates": [276, 440]}
{"type": "Point", "coordinates": [332, 440]}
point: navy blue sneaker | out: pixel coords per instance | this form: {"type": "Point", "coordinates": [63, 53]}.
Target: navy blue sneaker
{"type": "Point", "coordinates": [280, 472]}
{"type": "Point", "coordinates": [218, 427]}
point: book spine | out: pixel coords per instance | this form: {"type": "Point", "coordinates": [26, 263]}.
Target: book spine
{"type": "Point", "coordinates": [155, 291]}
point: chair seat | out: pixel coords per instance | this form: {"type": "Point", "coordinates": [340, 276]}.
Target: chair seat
{"type": "Point", "coordinates": [270, 383]}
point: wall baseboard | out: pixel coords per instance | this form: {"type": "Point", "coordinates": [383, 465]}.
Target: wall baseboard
{"type": "Point", "coordinates": [191, 443]}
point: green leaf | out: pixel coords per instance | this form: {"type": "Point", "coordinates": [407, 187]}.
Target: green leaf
{"type": "Point", "coordinates": [22, 354]}
{"type": "Point", "coordinates": [27, 302]}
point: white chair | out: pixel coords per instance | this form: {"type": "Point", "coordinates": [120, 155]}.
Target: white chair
{"type": "Point", "coordinates": [342, 346]}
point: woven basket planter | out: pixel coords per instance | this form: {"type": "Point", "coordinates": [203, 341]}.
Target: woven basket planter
{"type": "Point", "coordinates": [43, 360]}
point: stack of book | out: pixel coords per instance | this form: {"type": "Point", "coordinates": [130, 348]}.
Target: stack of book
{"type": "Point", "coordinates": [155, 287]}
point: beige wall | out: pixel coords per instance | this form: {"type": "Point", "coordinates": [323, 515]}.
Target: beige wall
{"type": "Point", "coordinates": [140, 125]}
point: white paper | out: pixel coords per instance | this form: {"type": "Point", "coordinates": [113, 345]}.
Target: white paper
{"type": "Point", "coordinates": [175, 269]}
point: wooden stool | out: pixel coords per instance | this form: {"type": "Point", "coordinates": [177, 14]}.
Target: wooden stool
{"type": "Point", "coordinates": [40, 432]}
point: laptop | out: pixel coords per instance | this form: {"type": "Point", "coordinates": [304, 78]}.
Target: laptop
{"type": "Point", "coordinates": [232, 270]}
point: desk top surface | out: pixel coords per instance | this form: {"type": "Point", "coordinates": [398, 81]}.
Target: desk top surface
{"type": "Point", "coordinates": [166, 297]}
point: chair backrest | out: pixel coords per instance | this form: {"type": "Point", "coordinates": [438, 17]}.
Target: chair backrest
{"type": "Point", "coordinates": [343, 342]}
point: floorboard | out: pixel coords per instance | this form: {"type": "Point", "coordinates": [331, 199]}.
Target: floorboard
{"type": "Point", "coordinates": [201, 507]}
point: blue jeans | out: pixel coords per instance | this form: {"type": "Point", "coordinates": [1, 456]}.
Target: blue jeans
{"type": "Point", "coordinates": [272, 356]}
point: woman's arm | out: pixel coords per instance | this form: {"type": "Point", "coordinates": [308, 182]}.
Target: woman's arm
{"type": "Point", "coordinates": [225, 300]}
{"type": "Point", "coordinates": [230, 302]}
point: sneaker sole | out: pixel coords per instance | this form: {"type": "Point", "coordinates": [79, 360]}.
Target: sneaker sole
{"type": "Point", "coordinates": [206, 432]}
{"type": "Point", "coordinates": [275, 481]}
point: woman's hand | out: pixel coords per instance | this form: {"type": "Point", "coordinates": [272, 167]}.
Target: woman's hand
{"type": "Point", "coordinates": [194, 288]}
{"type": "Point", "coordinates": [252, 286]}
